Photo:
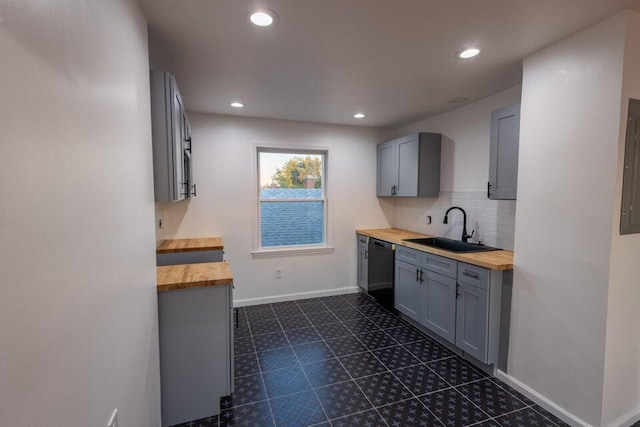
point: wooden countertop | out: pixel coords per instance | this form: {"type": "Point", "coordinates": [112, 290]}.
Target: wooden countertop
{"type": "Point", "coordinates": [495, 260]}
{"type": "Point", "coordinates": [185, 276]}
{"type": "Point", "coordinates": [189, 245]}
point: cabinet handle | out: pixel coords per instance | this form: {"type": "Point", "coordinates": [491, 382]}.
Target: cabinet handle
{"type": "Point", "coordinates": [195, 194]}
{"type": "Point", "coordinates": [186, 189]}
{"type": "Point", "coordinates": [421, 276]}
{"type": "Point", "coordinates": [394, 190]}
{"type": "Point", "coordinates": [417, 274]}
{"type": "Point", "coordinates": [489, 190]}
{"type": "Point", "coordinates": [366, 254]}
{"type": "Point", "coordinates": [475, 276]}
{"type": "Point", "coordinates": [457, 293]}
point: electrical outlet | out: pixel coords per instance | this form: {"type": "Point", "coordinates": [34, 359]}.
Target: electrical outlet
{"type": "Point", "coordinates": [113, 421]}
{"type": "Point", "coordinates": [278, 273]}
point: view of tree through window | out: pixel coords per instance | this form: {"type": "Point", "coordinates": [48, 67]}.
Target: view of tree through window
{"type": "Point", "coordinates": [292, 198]}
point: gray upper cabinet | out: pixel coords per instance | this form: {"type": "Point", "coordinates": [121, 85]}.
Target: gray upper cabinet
{"type": "Point", "coordinates": [630, 214]}
{"type": "Point", "coordinates": [409, 166]}
{"type": "Point", "coordinates": [503, 153]}
{"type": "Point", "coordinates": [172, 165]}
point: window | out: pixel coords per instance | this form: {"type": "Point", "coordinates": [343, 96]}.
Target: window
{"type": "Point", "coordinates": [292, 203]}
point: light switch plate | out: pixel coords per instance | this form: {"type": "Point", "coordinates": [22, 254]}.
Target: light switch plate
{"type": "Point", "coordinates": [113, 421]}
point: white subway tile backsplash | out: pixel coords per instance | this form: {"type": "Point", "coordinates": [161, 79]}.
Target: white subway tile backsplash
{"type": "Point", "coordinates": [493, 220]}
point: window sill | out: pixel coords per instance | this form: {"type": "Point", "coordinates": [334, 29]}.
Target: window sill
{"type": "Point", "coordinates": [280, 252]}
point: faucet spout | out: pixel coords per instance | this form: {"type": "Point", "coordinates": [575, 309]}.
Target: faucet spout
{"type": "Point", "coordinates": [465, 236]}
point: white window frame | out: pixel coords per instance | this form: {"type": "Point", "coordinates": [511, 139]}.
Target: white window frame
{"type": "Point", "coordinates": [292, 250]}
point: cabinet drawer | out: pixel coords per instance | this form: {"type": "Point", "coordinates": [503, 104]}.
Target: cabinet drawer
{"type": "Point", "coordinates": [473, 275]}
{"type": "Point", "coordinates": [409, 255]}
{"type": "Point", "coordinates": [445, 266]}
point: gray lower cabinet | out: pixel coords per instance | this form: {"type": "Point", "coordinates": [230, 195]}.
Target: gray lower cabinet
{"type": "Point", "coordinates": [189, 257]}
{"type": "Point", "coordinates": [503, 153]}
{"type": "Point", "coordinates": [196, 351]}
{"type": "Point", "coordinates": [363, 261]}
{"type": "Point", "coordinates": [438, 298]}
{"type": "Point", "coordinates": [457, 301]}
{"type": "Point", "coordinates": [409, 166]}
{"type": "Point", "coordinates": [407, 290]}
{"type": "Point", "coordinates": [630, 217]}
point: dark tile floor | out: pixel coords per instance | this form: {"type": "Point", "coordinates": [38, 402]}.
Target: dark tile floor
{"type": "Point", "coordinates": [345, 361]}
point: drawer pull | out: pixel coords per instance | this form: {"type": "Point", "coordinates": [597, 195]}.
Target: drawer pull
{"type": "Point", "coordinates": [417, 274]}
{"type": "Point", "coordinates": [474, 276]}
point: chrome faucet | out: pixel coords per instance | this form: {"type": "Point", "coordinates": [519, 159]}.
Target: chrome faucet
{"type": "Point", "coordinates": [465, 236]}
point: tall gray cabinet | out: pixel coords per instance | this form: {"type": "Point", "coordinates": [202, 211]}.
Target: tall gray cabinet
{"type": "Point", "coordinates": [503, 153]}
{"type": "Point", "coordinates": [409, 166]}
{"type": "Point", "coordinates": [171, 134]}
{"type": "Point", "coordinates": [363, 261]}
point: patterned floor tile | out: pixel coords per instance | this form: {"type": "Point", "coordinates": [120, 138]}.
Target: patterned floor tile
{"type": "Point", "coordinates": [383, 388]}
{"type": "Point", "coordinates": [524, 418]}
{"type": "Point", "coordinates": [548, 415]}
{"type": "Point", "coordinates": [376, 339]}
{"type": "Point", "coordinates": [428, 350]}
{"type": "Point", "coordinates": [287, 311]}
{"type": "Point", "coordinates": [300, 409]}
{"type": "Point", "coordinates": [265, 327]}
{"type": "Point", "coordinates": [408, 413]}
{"type": "Point", "coordinates": [245, 364]}
{"type": "Point", "coordinates": [295, 322]}
{"type": "Point", "coordinates": [348, 314]}
{"type": "Point", "coordinates": [362, 364]}
{"type": "Point", "coordinates": [362, 419]}
{"type": "Point", "coordinates": [336, 304]}
{"type": "Point", "coordinates": [252, 308]}
{"type": "Point", "coordinates": [255, 317]}
{"type": "Point", "coordinates": [395, 357]}
{"type": "Point", "coordinates": [488, 423]}
{"type": "Point", "coordinates": [322, 318]}
{"type": "Point", "coordinates": [275, 305]}
{"type": "Point", "coordinates": [270, 341]}
{"type": "Point", "coordinates": [372, 310]}
{"type": "Point", "coordinates": [277, 359]}
{"type": "Point", "coordinates": [453, 409]}
{"type": "Point", "coordinates": [314, 307]}
{"type": "Point", "coordinates": [302, 336]}
{"type": "Point", "coordinates": [333, 330]}
{"type": "Point", "coordinates": [420, 379]}
{"type": "Point", "coordinates": [285, 381]}
{"type": "Point", "coordinates": [256, 414]}
{"type": "Point", "coordinates": [406, 334]}
{"type": "Point", "coordinates": [491, 398]}
{"type": "Point", "coordinates": [360, 326]}
{"type": "Point", "coordinates": [243, 346]}
{"type": "Point", "coordinates": [312, 352]}
{"type": "Point", "coordinates": [345, 346]}
{"type": "Point", "coordinates": [242, 331]}
{"type": "Point", "coordinates": [356, 296]}
{"type": "Point", "coordinates": [325, 372]}
{"type": "Point", "coordinates": [204, 422]}
{"type": "Point", "coordinates": [511, 390]}
{"type": "Point", "coordinates": [342, 399]}
{"type": "Point", "coordinates": [387, 321]}
{"type": "Point", "coordinates": [456, 371]}
{"type": "Point", "coordinates": [248, 389]}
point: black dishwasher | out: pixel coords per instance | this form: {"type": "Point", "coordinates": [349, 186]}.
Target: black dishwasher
{"type": "Point", "coordinates": [380, 272]}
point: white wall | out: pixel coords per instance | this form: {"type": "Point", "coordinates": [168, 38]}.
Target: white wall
{"type": "Point", "coordinates": [569, 137]}
{"type": "Point", "coordinates": [464, 175]}
{"type": "Point", "coordinates": [622, 358]}
{"type": "Point", "coordinates": [224, 148]}
{"type": "Point", "coordinates": [78, 321]}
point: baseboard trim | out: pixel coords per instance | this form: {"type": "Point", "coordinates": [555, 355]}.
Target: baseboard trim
{"type": "Point", "coordinates": [296, 296]}
{"type": "Point", "coordinates": [547, 404]}
{"type": "Point", "coordinates": [627, 420]}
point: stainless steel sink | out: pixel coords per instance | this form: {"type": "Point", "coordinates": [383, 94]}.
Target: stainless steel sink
{"type": "Point", "coordinates": [451, 245]}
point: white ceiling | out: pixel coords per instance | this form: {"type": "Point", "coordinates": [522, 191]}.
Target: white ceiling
{"type": "Point", "coordinates": [327, 59]}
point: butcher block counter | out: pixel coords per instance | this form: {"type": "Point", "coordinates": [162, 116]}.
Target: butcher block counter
{"type": "Point", "coordinates": [495, 260]}
{"type": "Point", "coordinates": [184, 276]}
{"type": "Point", "coordinates": [189, 245]}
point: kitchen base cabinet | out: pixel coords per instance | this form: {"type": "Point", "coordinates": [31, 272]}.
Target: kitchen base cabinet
{"type": "Point", "coordinates": [363, 261]}
{"type": "Point", "coordinates": [472, 326]}
{"type": "Point", "coordinates": [196, 351]}
{"type": "Point", "coordinates": [438, 298]}
{"type": "Point", "coordinates": [407, 290]}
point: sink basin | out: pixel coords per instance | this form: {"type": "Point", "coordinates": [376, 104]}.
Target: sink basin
{"type": "Point", "coordinates": [451, 245]}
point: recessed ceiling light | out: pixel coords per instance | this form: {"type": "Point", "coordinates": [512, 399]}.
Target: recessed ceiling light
{"type": "Point", "coordinates": [263, 17]}
{"type": "Point", "coordinates": [359, 115]}
{"type": "Point", "coordinates": [236, 104]}
{"type": "Point", "coordinates": [468, 53]}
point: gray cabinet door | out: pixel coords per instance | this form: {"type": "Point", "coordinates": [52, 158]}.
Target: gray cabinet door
{"type": "Point", "coordinates": [363, 262]}
{"type": "Point", "coordinates": [439, 305]}
{"type": "Point", "coordinates": [387, 169]}
{"type": "Point", "coordinates": [408, 154]}
{"type": "Point", "coordinates": [503, 153]}
{"type": "Point", "coordinates": [630, 217]}
{"type": "Point", "coordinates": [472, 322]}
{"type": "Point", "coordinates": [407, 290]}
